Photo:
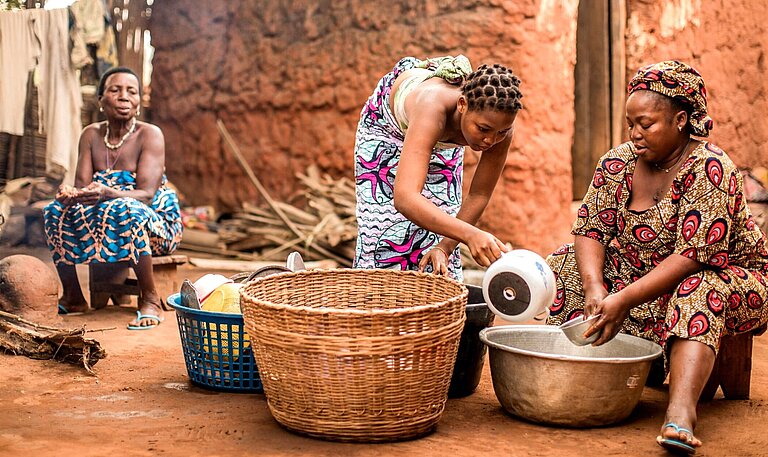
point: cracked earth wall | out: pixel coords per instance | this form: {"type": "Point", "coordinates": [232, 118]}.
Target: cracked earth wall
{"type": "Point", "coordinates": [288, 78]}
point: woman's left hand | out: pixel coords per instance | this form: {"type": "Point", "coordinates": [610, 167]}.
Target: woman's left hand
{"type": "Point", "coordinates": [612, 313]}
{"type": "Point", "coordinates": [438, 258]}
{"type": "Point", "coordinates": [93, 193]}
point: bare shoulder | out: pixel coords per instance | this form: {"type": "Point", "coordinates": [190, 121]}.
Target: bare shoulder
{"type": "Point", "coordinates": [90, 135]}
{"type": "Point", "coordinates": [434, 96]}
{"type": "Point", "coordinates": [91, 130]}
{"type": "Point", "coordinates": [149, 131]}
{"type": "Point", "coordinates": [407, 74]}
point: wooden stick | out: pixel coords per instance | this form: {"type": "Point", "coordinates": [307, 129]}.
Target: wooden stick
{"type": "Point", "coordinates": [17, 318]}
{"type": "Point", "coordinates": [236, 152]}
{"type": "Point", "coordinates": [281, 248]}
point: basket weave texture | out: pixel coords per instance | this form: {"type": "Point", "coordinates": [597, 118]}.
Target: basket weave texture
{"type": "Point", "coordinates": [355, 355]}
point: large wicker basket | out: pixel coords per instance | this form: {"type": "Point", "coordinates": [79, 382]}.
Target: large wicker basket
{"type": "Point", "coordinates": [355, 355]}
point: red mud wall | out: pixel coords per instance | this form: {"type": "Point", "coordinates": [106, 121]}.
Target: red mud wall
{"type": "Point", "coordinates": [726, 40]}
{"type": "Point", "coordinates": [289, 78]}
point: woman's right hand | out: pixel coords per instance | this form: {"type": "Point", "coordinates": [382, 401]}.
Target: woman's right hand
{"type": "Point", "coordinates": [67, 195]}
{"type": "Point", "coordinates": [613, 311]}
{"type": "Point", "coordinates": [485, 248]}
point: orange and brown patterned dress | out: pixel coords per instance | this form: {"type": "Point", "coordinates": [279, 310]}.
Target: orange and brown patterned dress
{"type": "Point", "coordinates": [704, 217]}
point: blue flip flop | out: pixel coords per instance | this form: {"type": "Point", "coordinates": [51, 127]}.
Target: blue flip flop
{"type": "Point", "coordinates": [676, 446]}
{"type": "Point", "coordinates": [64, 311]}
{"type": "Point", "coordinates": [151, 317]}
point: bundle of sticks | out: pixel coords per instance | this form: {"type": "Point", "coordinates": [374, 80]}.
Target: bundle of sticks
{"type": "Point", "coordinates": [324, 229]}
{"type": "Point", "coordinates": [22, 337]}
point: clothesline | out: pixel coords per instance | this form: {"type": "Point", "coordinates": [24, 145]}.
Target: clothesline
{"type": "Point", "coordinates": [38, 39]}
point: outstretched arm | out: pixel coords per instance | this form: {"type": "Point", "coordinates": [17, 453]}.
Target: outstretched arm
{"type": "Point", "coordinates": [484, 182]}
{"type": "Point", "coordinates": [428, 122]}
{"type": "Point", "coordinates": [590, 258]}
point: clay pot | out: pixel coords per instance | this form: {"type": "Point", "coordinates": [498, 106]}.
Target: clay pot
{"type": "Point", "coordinates": [28, 288]}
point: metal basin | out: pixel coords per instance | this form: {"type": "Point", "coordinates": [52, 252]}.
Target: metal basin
{"type": "Point", "coordinates": [540, 376]}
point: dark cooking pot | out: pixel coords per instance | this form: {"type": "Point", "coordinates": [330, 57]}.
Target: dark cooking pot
{"type": "Point", "coordinates": [471, 354]}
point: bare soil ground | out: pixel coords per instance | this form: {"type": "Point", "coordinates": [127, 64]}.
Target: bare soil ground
{"type": "Point", "coordinates": [141, 403]}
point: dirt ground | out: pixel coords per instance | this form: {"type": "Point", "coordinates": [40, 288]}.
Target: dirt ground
{"type": "Point", "coordinates": [141, 403]}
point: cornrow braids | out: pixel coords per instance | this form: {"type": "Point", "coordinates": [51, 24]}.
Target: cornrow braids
{"type": "Point", "coordinates": [493, 88]}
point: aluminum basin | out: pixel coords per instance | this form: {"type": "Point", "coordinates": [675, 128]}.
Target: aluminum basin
{"type": "Point", "coordinates": [540, 376]}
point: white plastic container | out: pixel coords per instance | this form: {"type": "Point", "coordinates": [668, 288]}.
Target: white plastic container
{"type": "Point", "coordinates": [519, 286]}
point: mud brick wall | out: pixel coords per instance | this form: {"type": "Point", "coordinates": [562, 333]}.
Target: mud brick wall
{"type": "Point", "coordinates": [726, 40]}
{"type": "Point", "coordinates": [289, 78]}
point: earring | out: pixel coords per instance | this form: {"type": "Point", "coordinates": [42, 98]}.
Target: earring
{"type": "Point", "coordinates": [679, 128]}
{"type": "Point", "coordinates": [138, 112]}
{"type": "Point", "coordinates": [101, 109]}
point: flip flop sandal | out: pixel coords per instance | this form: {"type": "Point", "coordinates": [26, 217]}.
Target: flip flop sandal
{"type": "Point", "coordinates": [676, 446]}
{"type": "Point", "coordinates": [65, 312]}
{"type": "Point", "coordinates": [151, 317]}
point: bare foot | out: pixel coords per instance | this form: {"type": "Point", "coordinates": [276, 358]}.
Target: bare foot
{"type": "Point", "coordinates": [679, 428]}
{"type": "Point", "coordinates": [148, 306]}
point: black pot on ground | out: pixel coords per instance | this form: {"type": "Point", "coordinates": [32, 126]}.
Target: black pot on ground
{"type": "Point", "coordinates": [471, 353]}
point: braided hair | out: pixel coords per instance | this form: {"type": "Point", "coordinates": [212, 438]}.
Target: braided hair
{"type": "Point", "coordinates": [493, 88]}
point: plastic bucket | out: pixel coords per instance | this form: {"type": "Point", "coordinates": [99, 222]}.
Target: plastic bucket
{"type": "Point", "coordinates": [471, 353]}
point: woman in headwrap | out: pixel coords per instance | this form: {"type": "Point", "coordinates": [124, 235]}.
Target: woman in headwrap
{"type": "Point", "coordinates": [409, 152]}
{"type": "Point", "coordinates": [665, 245]}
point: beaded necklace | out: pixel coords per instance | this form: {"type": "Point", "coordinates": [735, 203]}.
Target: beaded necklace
{"type": "Point", "coordinates": [117, 146]}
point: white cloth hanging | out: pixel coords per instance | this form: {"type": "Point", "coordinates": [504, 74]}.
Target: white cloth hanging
{"type": "Point", "coordinates": [19, 51]}
{"type": "Point", "coordinates": [59, 96]}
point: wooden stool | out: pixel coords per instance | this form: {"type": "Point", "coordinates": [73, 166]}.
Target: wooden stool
{"type": "Point", "coordinates": [733, 367]}
{"type": "Point", "coordinates": [113, 280]}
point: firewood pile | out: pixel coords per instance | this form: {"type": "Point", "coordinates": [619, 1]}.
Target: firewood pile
{"type": "Point", "coordinates": [22, 337]}
{"type": "Point", "coordinates": [324, 229]}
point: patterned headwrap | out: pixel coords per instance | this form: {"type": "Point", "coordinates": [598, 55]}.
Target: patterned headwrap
{"type": "Point", "coordinates": [681, 82]}
{"type": "Point", "coordinates": [452, 69]}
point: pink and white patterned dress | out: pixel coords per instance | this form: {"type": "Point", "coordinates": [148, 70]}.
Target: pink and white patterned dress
{"type": "Point", "coordinates": [387, 239]}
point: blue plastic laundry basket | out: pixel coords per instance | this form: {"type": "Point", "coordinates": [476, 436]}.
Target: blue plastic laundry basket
{"type": "Point", "coordinates": [216, 349]}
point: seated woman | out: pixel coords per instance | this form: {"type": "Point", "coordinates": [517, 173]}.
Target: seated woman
{"type": "Point", "coordinates": [665, 245]}
{"type": "Point", "coordinates": [120, 208]}
{"type": "Point", "coordinates": [409, 153]}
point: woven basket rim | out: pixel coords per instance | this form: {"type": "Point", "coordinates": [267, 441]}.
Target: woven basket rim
{"type": "Point", "coordinates": [361, 312]}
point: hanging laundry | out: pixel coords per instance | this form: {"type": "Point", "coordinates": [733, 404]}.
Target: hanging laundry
{"type": "Point", "coordinates": [89, 18]}
{"type": "Point", "coordinates": [19, 50]}
{"type": "Point", "coordinates": [106, 53]}
{"type": "Point", "coordinates": [60, 99]}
